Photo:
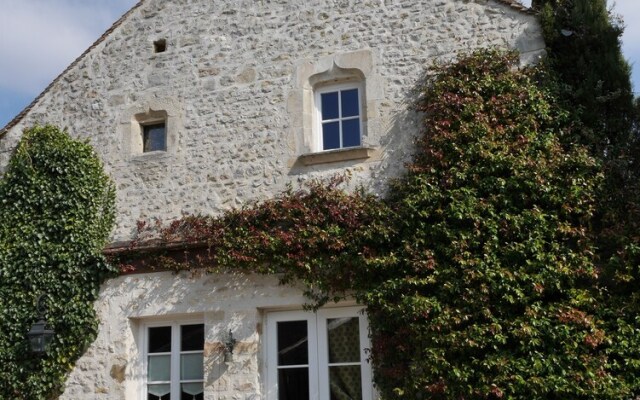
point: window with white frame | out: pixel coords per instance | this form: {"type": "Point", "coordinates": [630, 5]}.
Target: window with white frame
{"type": "Point", "coordinates": [174, 361]}
{"type": "Point", "coordinates": [319, 356]}
{"type": "Point", "coordinates": [339, 117]}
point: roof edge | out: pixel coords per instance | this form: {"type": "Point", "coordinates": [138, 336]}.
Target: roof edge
{"type": "Point", "coordinates": [75, 62]}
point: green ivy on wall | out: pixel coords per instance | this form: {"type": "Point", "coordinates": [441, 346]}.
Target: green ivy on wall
{"type": "Point", "coordinates": [56, 213]}
{"type": "Point", "coordinates": [478, 272]}
{"type": "Point", "coordinates": [497, 284]}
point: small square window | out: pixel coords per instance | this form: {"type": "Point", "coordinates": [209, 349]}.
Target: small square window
{"type": "Point", "coordinates": [339, 114]}
{"type": "Point", "coordinates": [154, 137]}
{"type": "Point", "coordinates": [174, 362]}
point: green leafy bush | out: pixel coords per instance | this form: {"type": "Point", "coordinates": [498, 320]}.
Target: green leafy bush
{"type": "Point", "coordinates": [496, 287]}
{"type": "Point", "coordinates": [56, 212]}
{"type": "Point", "coordinates": [584, 44]}
{"type": "Point", "coordinates": [319, 235]}
{"type": "Point", "coordinates": [584, 47]}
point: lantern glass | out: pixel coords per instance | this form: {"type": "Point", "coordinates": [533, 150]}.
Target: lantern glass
{"type": "Point", "coordinates": [39, 337]}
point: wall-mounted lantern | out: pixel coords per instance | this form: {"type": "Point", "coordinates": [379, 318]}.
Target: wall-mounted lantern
{"type": "Point", "coordinates": [40, 335]}
{"type": "Point", "coordinates": [229, 344]}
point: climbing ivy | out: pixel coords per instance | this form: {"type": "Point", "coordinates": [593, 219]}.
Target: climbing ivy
{"type": "Point", "coordinates": [497, 292]}
{"type": "Point", "coordinates": [56, 212]}
{"type": "Point", "coordinates": [319, 235]}
{"type": "Point", "coordinates": [478, 271]}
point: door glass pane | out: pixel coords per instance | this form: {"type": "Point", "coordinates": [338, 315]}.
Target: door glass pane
{"type": "Point", "coordinates": [329, 105]}
{"type": "Point", "coordinates": [191, 367]}
{"type": "Point", "coordinates": [292, 343]}
{"type": "Point", "coordinates": [331, 135]}
{"type": "Point", "coordinates": [351, 133]}
{"type": "Point", "coordinates": [350, 106]}
{"type": "Point", "coordinates": [160, 339]}
{"type": "Point", "coordinates": [293, 384]}
{"type": "Point", "coordinates": [158, 392]}
{"type": "Point", "coordinates": [345, 383]}
{"type": "Point", "coordinates": [159, 368]}
{"type": "Point", "coordinates": [191, 337]}
{"type": "Point", "coordinates": [191, 391]}
{"type": "Point", "coordinates": [344, 339]}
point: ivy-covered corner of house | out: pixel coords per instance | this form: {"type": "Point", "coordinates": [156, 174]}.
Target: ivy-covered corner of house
{"type": "Point", "coordinates": [56, 213]}
{"type": "Point", "coordinates": [496, 282]}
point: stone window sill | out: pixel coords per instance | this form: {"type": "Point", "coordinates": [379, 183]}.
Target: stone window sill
{"type": "Point", "coordinates": [331, 156]}
{"type": "Point", "coordinates": [150, 155]}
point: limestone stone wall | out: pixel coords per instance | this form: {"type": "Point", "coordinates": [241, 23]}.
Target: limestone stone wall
{"type": "Point", "coordinates": [112, 367]}
{"type": "Point", "coordinates": [235, 84]}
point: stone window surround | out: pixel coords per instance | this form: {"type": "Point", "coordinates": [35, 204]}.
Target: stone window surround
{"type": "Point", "coordinates": [353, 67]}
{"type": "Point", "coordinates": [150, 111]}
{"type": "Point", "coordinates": [316, 321]}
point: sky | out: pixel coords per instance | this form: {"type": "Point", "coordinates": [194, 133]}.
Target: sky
{"type": "Point", "coordinates": [40, 38]}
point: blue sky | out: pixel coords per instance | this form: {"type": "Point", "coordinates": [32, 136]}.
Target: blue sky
{"type": "Point", "coordinates": [40, 38]}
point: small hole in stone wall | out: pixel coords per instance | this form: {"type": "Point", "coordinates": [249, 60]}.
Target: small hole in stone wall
{"type": "Point", "coordinates": [159, 46]}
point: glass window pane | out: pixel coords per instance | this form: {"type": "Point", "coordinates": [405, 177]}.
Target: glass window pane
{"type": "Point", "coordinates": [293, 384]}
{"type": "Point", "coordinates": [350, 107]}
{"type": "Point", "coordinates": [159, 392]}
{"type": "Point", "coordinates": [191, 367]}
{"type": "Point", "coordinates": [192, 337]}
{"type": "Point", "coordinates": [159, 368]}
{"type": "Point", "coordinates": [351, 133]}
{"type": "Point", "coordinates": [344, 339]}
{"type": "Point", "coordinates": [329, 105]}
{"type": "Point", "coordinates": [345, 382]}
{"type": "Point", "coordinates": [331, 135]}
{"type": "Point", "coordinates": [191, 391]}
{"type": "Point", "coordinates": [160, 339]}
{"type": "Point", "coordinates": [154, 137]}
{"type": "Point", "coordinates": [292, 343]}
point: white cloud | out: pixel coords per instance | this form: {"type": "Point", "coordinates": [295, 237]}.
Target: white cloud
{"type": "Point", "coordinates": [39, 38]}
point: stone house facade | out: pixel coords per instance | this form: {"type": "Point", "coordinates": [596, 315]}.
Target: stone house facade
{"type": "Point", "coordinates": [197, 106]}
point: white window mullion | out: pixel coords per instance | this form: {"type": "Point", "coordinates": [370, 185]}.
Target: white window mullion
{"type": "Point", "coordinates": [318, 122]}
{"type": "Point", "coordinates": [340, 116]}
{"type": "Point", "coordinates": [271, 357]}
{"type": "Point", "coordinates": [323, 358]}
{"type": "Point", "coordinates": [365, 344]}
{"type": "Point", "coordinates": [175, 361]}
{"type": "Point", "coordinates": [314, 363]}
